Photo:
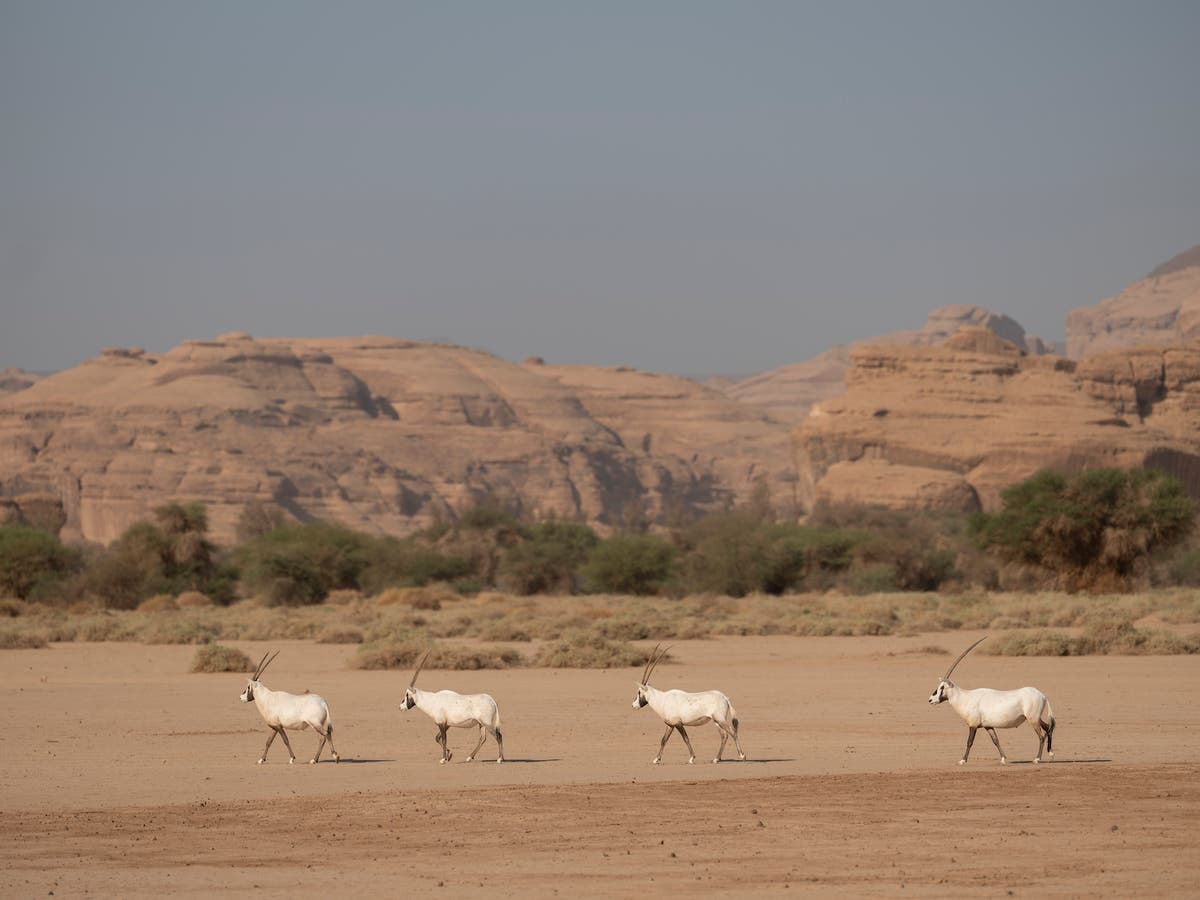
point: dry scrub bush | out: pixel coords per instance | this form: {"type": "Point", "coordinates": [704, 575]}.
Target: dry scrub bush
{"type": "Point", "coordinates": [588, 650]}
{"type": "Point", "coordinates": [218, 658]}
{"type": "Point", "coordinates": [11, 607]}
{"type": "Point", "coordinates": [343, 597]}
{"type": "Point", "coordinates": [178, 629]}
{"type": "Point", "coordinates": [404, 656]}
{"type": "Point", "coordinates": [425, 598]}
{"type": "Point", "coordinates": [193, 600]}
{"type": "Point", "coordinates": [338, 635]}
{"type": "Point", "coordinates": [22, 639]}
{"type": "Point", "coordinates": [158, 603]}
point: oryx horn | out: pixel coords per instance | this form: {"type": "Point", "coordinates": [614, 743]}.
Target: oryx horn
{"type": "Point", "coordinates": [946, 677]}
{"type": "Point", "coordinates": [654, 662]}
{"type": "Point", "coordinates": [420, 665]}
{"type": "Point", "coordinates": [650, 659]}
{"type": "Point", "coordinates": [263, 663]}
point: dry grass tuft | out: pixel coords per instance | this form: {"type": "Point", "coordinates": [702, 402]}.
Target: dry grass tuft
{"type": "Point", "coordinates": [193, 600]}
{"type": "Point", "coordinates": [334, 634]}
{"type": "Point", "coordinates": [158, 603]}
{"type": "Point", "coordinates": [218, 658]}
{"type": "Point", "coordinates": [22, 639]}
{"type": "Point", "coordinates": [11, 607]}
{"type": "Point", "coordinates": [405, 655]}
{"type": "Point", "coordinates": [588, 650]}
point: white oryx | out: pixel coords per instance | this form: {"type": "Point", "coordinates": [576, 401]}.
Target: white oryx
{"type": "Point", "coordinates": [284, 711]}
{"type": "Point", "coordinates": [679, 708]}
{"type": "Point", "coordinates": [988, 709]}
{"type": "Point", "coordinates": [451, 710]}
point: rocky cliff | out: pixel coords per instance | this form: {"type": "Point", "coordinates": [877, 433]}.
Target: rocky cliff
{"type": "Point", "coordinates": [949, 427]}
{"type": "Point", "coordinates": [375, 433]}
{"type": "Point", "coordinates": [787, 393]}
{"type": "Point", "coordinates": [1161, 309]}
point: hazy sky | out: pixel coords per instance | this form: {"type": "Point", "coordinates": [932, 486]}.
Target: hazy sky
{"type": "Point", "coordinates": [688, 186]}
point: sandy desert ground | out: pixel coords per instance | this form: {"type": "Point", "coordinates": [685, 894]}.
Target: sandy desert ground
{"type": "Point", "coordinates": [123, 775]}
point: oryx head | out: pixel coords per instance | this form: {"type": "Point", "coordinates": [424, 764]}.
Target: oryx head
{"type": "Point", "coordinates": [939, 694]}
{"type": "Point", "coordinates": [639, 699]}
{"type": "Point", "coordinates": [410, 696]}
{"type": "Point", "coordinates": [248, 694]}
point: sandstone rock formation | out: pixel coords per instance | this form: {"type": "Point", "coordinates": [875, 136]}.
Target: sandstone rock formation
{"type": "Point", "coordinates": [13, 380]}
{"type": "Point", "coordinates": [375, 433]}
{"type": "Point", "coordinates": [1161, 309]}
{"type": "Point", "coordinates": [788, 392]}
{"type": "Point", "coordinates": [949, 427]}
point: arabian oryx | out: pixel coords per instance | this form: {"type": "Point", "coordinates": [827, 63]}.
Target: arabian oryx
{"type": "Point", "coordinates": [295, 712]}
{"type": "Point", "coordinates": [451, 710]}
{"type": "Point", "coordinates": [678, 708]}
{"type": "Point", "coordinates": [988, 709]}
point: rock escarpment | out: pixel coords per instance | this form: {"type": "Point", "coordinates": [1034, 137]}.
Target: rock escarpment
{"type": "Point", "coordinates": [949, 427]}
{"type": "Point", "coordinates": [1161, 309]}
{"type": "Point", "coordinates": [789, 392]}
{"type": "Point", "coordinates": [379, 434]}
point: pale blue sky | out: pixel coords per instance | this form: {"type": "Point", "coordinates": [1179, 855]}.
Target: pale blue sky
{"type": "Point", "coordinates": [690, 186]}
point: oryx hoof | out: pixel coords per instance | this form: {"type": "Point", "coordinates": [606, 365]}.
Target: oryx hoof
{"type": "Point", "coordinates": [692, 761]}
{"type": "Point", "coordinates": [717, 760]}
{"type": "Point", "coordinates": [741, 756]}
{"type": "Point", "coordinates": [500, 760]}
{"type": "Point", "coordinates": [336, 758]}
{"type": "Point", "coordinates": [962, 762]}
{"type": "Point", "coordinates": [1036, 760]}
{"type": "Point", "coordinates": [657, 760]}
{"type": "Point", "coordinates": [1050, 753]}
{"type": "Point", "coordinates": [1003, 761]}
{"type": "Point", "coordinates": [442, 761]}
{"type": "Point", "coordinates": [312, 762]}
{"type": "Point", "coordinates": [470, 759]}
{"type": "Point", "coordinates": [263, 760]}
{"type": "Point", "coordinates": [292, 761]}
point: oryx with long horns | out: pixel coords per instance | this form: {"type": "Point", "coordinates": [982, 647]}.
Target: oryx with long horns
{"type": "Point", "coordinates": [679, 708]}
{"type": "Point", "coordinates": [988, 709]}
{"type": "Point", "coordinates": [283, 712]}
{"type": "Point", "coordinates": [451, 710]}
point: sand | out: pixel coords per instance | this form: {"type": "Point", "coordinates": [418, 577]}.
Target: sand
{"type": "Point", "coordinates": [121, 774]}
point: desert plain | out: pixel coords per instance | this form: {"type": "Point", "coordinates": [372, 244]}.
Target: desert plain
{"type": "Point", "coordinates": [122, 774]}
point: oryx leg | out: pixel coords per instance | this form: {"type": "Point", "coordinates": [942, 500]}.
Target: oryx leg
{"type": "Point", "coordinates": [1042, 734]}
{"type": "Point", "coordinates": [970, 741]}
{"type": "Point", "coordinates": [332, 749]}
{"type": "Point", "coordinates": [499, 743]}
{"type": "Point", "coordinates": [687, 740]}
{"type": "Point", "coordinates": [663, 743]}
{"type": "Point", "coordinates": [482, 738]}
{"type": "Point", "coordinates": [288, 744]}
{"type": "Point", "coordinates": [441, 739]}
{"type": "Point", "coordinates": [724, 738]}
{"type": "Point", "coordinates": [274, 732]}
{"type": "Point", "coordinates": [736, 742]}
{"type": "Point", "coordinates": [1049, 738]}
{"type": "Point", "coordinates": [321, 746]}
{"type": "Point", "coordinates": [995, 740]}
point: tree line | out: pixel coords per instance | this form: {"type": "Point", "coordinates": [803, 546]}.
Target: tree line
{"type": "Point", "coordinates": [1099, 530]}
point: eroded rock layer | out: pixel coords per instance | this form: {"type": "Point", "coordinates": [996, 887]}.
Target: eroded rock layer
{"type": "Point", "coordinates": [380, 434]}
{"type": "Point", "coordinates": [949, 427]}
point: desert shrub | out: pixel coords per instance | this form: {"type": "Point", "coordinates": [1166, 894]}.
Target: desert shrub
{"type": "Point", "coordinates": [178, 629]}
{"type": "Point", "coordinates": [158, 603]}
{"type": "Point", "coordinates": [391, 562]}
{"type": "Point", "coordinates": [22, 638]}
{"type": "Point", "coordinates": [193, 600]}
{"type": "Point", "coordinates": [343, 597]}
{"type": "Point", "coordinates": [257, 519]}
{"type": "Point", "coordinates": [1094, 529]}
{"type": "Point", "coordinates": [300, 564]}
{"type": "Point", "coordinates": [32, 561]}
{"type": "Point", "coordinates": [334, 634]}
{"type": "Point", "coordinates": [548, 560]}
{"type": "Point", "coordinates": [12, 608]}
{"type": "Point", "coordinates": [404, 655]}
{"type": "Point", "coordinates": [588, 650]}
{"type": "Point", "coordinates": [423, 598]}
{"type": "Point", "coordinates": [219, 658]}
{"type": "Point", "coordinates": [630, 564]}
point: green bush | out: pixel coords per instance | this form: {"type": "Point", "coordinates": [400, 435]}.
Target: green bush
{"type": "Point", "coordinates": [630, 564]}
{"type": "Point", "coordinates": [391, 562]}
{"type": "Point", "coordinates": [31, 561]}
{"type": "Point", "coordinates": [301, 564]}
{"type": "Point", "coordinates": [548, 560]}
{"type": "Point", "coordinates": [1094, 529]}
